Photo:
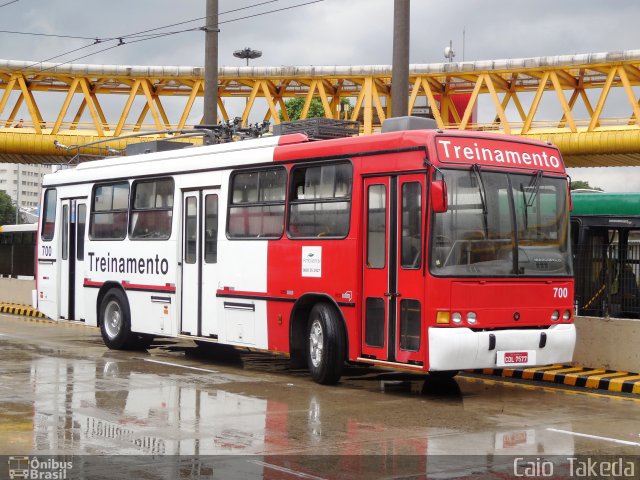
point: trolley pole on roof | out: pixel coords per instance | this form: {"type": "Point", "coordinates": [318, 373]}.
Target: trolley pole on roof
{"type": "Point", "coordinates": [400, 67]}
{"type": "Point", "coordinates": [211, 64]}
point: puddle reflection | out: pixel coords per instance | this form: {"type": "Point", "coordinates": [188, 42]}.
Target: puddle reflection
{"type": "Point", "coordinates": [124, 406]}
{"type": "Point", "coordinates": [145, 406]}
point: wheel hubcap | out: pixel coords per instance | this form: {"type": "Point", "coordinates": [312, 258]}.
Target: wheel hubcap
{"type": "Point", "coordinates": [315, 343]}
{"type": "Point", "coordinates": [113, 319]}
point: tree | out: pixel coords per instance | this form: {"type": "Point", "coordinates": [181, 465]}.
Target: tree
{"type": "Point", "coordinates": [7, 210]}
{"type": "Point", "coordinates": [581, 184]}
{"type": "Point", "coordinates": [295, 105]}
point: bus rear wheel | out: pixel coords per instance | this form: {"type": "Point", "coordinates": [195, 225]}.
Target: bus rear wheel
{"type": "Point", "coordinates": [115, 321]}
{"type": "Point", "coordinates": [326, 345]}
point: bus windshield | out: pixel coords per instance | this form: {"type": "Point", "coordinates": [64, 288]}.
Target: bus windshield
{"type": "Point", "coordinates": [501, 224]}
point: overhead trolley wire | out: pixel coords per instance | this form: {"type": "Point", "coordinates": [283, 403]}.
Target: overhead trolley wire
{"type": "Point", "coordinates": [200, 18]}
{"type": "Point", "coordinates": [46, 34]}
{"type": "Point", "coordinates": [105, 49]}
{"type": "Point", "coordinates": [131, 35]}
{"type": "Point", "coordinates": [272, 11]}
{"type": "Point", "coordinates": [9, 3]}
{"type": "Point", "coordinates": [121, 39]}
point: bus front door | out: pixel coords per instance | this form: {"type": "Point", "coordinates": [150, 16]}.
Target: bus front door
{"type": "Point", "coordinates": [393, 283]}
{"type": "Point", "coordinates": [199, 263]}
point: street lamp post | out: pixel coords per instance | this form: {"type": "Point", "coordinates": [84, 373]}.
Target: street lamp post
{"type": "Point", "coordinates": [247, 53]}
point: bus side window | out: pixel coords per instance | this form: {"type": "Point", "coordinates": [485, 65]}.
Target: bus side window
{"type": "Point", "coordinates": [49, 215]}
{"type": "Point", "coordinates": [109, 211]}
{"type": "Point", "coordinates": [256, 207]}
{"type": "Point", "coordinates": [152, 210]}
{"type": "Point", "coordinates": [320, 204]}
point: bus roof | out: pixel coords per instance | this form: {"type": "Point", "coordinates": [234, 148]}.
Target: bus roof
{"type": "Point", "coordinates": [612, 204]}
{"type": "Point", "coordinates": [452, 148]}
{"type": "Point", "coordinates": [174, 161]}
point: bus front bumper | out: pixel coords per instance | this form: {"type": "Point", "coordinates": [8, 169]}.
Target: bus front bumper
{"type": "Point", "coordinates": [458, 348]}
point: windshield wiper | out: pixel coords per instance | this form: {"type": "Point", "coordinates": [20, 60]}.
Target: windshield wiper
{"type": "Point", "coordinates": [535, 185]}
{"type": "Point", "coordinates": [483, 197]}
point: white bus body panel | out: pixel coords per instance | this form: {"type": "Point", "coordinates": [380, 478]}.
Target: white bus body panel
{"type": "Point", "coordinates": [154, 289]}
{"type": "Point", "coordinates": [144, 269]}
{"type": "Point", "coordinates": [244, 321]}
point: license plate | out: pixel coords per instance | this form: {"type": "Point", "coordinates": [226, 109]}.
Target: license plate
{"type": "Point", "coordinates": [516, 359]}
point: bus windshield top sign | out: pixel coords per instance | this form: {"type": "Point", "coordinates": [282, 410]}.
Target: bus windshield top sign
{"type": "Point", "coordinates": [498, 153]}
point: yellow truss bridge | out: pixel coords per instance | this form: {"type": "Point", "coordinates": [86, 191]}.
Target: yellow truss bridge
{"type": "Point", "coordinates": [587, 104]}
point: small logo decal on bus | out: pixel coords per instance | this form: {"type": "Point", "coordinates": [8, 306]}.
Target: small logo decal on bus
{"type": "Point", "coordinates": [312, 261]}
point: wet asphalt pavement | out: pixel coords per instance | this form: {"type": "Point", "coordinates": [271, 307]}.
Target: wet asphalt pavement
{"type": "Point", "coordinates": [63, 393]}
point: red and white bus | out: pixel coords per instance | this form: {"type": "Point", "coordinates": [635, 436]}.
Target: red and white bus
{"type": "Point", "coordinates": [420, 249]}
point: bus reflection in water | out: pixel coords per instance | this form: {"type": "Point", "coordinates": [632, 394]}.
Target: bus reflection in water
{"type": "Point", "coordinates": [123, 409]}
{"type": "Point", "coordinates": [419, 249]}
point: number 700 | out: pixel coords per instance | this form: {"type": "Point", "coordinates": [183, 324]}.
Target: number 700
{"type": "Point", "coordinates": [560, 292]}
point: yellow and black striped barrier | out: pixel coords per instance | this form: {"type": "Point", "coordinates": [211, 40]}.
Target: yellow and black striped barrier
{"type": "Point", "coordinates": [24, 310]}
{"type": "Point", "coordinates": [575, 376]}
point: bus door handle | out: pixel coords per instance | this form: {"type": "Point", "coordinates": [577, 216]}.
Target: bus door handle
{"type": "Point", "coordinates": [391, 294]}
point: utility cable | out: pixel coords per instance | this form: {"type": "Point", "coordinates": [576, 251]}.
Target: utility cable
{"type": "Point", "coordinates": [198, 19]}
{"type": "Point", "coordinates": [9, 3]}
{"type": "Point", "coordinates": [131, 35]}
{"type": "Point", "coordinates": [163, 34]}
{"type": "Point", "coordinates": [46, 34]}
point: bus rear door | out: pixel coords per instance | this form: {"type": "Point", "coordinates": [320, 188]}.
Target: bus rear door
{"type": "Point", "coordinates": [74, 217]}
{"type": "Point", "coordinates": [199, 263]}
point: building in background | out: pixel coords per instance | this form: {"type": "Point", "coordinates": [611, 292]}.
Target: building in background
{"type": "Point", "coordinates": [23, 183]}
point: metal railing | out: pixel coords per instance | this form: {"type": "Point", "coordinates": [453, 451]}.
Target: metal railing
{"type": "Point", "coordinates": [607, 281]}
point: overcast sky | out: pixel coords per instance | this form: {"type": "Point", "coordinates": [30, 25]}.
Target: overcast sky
{"type": "Point", "coordinates": [327, 32]}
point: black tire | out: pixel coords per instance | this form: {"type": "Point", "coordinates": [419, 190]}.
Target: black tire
{"type": "Point", "coordinates": [115, 321]}
{"type": "Point", "coordinates": [326, 344]}
{"type": "Point", "coordinates": [444, 374]}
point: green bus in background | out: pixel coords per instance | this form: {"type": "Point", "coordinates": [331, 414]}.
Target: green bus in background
{"type": "Point", "coordinates": [605, 240]}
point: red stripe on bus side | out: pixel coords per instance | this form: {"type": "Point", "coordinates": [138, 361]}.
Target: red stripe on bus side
{"type": "Point", "coordinates": [160, 288]}
{"type": "Point", "coordinates": [135, 286]}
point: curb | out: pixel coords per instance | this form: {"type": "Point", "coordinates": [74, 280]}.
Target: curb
{"type": "Point", "coordinates": [575, 376]}
{"type": "Point", "coordinates": [18, 309]}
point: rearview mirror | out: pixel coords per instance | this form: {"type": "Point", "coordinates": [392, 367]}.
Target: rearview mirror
{"type": "Point", "coordinates": [439, 199]}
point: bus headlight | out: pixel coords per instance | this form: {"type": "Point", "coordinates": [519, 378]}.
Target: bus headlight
{"type": "Point", "coordinates": [555, 315]}
{"type": "Point", "coordinates": [566, 316]}
{"type": "Point", "coordinates": [456, 318]}
{"type": "Point", "coordinates": [471, 318]}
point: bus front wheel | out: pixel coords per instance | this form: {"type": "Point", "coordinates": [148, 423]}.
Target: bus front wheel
{"type": "Point", "coordinates": [326, 345]}
{"type": "Point", "coordinates": [115, 321]}
{"type": "Point", "coordinates": [443, 374]}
